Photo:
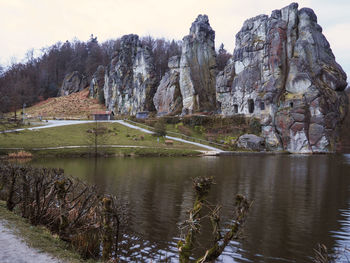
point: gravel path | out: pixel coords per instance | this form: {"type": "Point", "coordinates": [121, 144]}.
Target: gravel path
{"type": "Point", "coordinates": [170, 137]}
{"type": "Point", "coordinates": [57, 123]}
{"type": "Point", "coordinates": [14, 250]}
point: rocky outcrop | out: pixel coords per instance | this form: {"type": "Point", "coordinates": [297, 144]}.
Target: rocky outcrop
{"type": "Point", "coordinates": [73, 82]}
{"type": "Point", "coordinates": [168, 99]}
{"type": "Point", "coordinates": [284, 73]}
{"type": "Point", "coordinates": [130, 81]}
{"type": "Point", "coordinates": [198, 67]}
{"type": "Point", "coordinates": [251, 142]}
{"type": "Point", "coordinates": [97, 83]}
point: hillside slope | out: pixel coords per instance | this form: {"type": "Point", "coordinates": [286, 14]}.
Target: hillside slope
{"type": "Point", "coordinates": [75, 105]}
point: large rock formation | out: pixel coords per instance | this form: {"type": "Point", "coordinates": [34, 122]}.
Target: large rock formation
{"type": "Point", "coordinates": [284, 73]}
{"type": "Point", "coordinates": [251, 142]}
{"type": "Point", "coordinates": [168, 97]}
{"type": "Point", "coordinates": [198, 67]}
{"type": "Point", "coordinates": [130, 81]}
{"type": "Point", "coordinates": [73, 82]}
{"type": "Point", "coordinates": [97, 83]}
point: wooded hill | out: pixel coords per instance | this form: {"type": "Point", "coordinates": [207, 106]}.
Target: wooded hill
{"type": "Point", "coordinates": [39, 78]}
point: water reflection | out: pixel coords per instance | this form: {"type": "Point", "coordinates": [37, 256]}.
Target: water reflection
{"type": "Point", "coordinates": [299, 201]}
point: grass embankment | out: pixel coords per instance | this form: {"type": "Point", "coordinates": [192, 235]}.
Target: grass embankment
{"type": "Point", "coordinates": [174, 131]}
{"type": "Point", "coordinates": [78, 135]}
{"type": "Point", "coordinates": [12, 125]}
{"type": "Point", "coordinates": [38, 237]}
{"type": "Point", "coordinates": [213, 130]}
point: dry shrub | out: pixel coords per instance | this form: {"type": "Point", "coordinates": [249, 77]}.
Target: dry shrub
{"type": "Point", "coordinates": [66, 206]}
{"type": "Point", "coordinates": [169, 142]}
{"type": "Point", "coordinates": [20, 155]}
{"type": "Point", "coordinates": [184, 130]}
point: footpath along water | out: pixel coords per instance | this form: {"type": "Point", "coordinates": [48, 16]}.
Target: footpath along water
{"type": "Point", "coordinates": [14, 250]}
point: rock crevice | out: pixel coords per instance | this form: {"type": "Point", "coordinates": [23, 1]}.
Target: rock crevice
{"type": "Point", "coordinates": [198, 67]}
{"type": "Point", "coordinates": [130, 81]}
{"type": "Point", "coordinates": [73, 82]}
{"type": "Point", "coordinates": [284, 73]}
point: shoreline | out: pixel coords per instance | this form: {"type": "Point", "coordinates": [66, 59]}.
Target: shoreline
{"type": "Point", "coordinates": [38, 238]}
{"type": "Point", "coordinates": [136, 151]}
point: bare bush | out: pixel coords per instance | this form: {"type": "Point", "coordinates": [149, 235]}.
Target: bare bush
{"type": "Point", "coordinates": [66, 206]}
{"type": "Point", "coordinates": [201, 186]}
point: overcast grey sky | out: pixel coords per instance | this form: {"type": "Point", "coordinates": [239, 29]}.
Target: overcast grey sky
{"type": "Point", "coordinates": [35, 24]}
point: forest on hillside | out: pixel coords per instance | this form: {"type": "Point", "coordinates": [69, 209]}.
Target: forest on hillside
{"type": "Point", "coordinates": [38, 78]}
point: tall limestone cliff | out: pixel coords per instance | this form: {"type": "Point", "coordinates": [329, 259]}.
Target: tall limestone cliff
{"type": "Point", "coordinates": [130, 81]}
{"type": "Point", "coordinates": [97, 84]}
{"type": "Point", "coordinates": [284, 73]}
{"type": "Point", "coordinates": [168, 98]}
{"type": "Point", "coordinates": [72, 82]}
{"type": "Point", "coordinates": [198, 67]}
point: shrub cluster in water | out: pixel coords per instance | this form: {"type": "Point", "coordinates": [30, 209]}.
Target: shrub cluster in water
{"type": "Point", "coordinates": [66, 206]}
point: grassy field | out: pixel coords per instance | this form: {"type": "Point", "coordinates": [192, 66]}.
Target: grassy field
{"type": "Point", "coordinates": [196, 134]}
{"type": "Point", "coordinates": [11, 125]}
{"type": "Point", "coordinates": [79, 135]}
{"type": "Point", "coordinates": [38, 237]}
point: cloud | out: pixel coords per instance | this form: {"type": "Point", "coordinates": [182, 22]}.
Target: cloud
{"type": "Point", "coordinates": [38, 23]}
{"type": "Point", "coordinates": [339, 39]}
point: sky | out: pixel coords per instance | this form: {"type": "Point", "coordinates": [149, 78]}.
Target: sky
{"type": "Point", "coordinates": [27, 24]}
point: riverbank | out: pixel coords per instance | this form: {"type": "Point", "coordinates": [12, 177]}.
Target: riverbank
{"type": "Point", "coordinates": [20, 234]}
{"type": "Point", "coordinates": [116, 151]}
{"type": "Point", "coordinates": [79, 139]}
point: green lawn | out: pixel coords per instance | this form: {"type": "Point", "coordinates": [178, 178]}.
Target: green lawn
{"type": "Point", "coordinates": [5, 125]}
{"type": "Point", "coordinates": [195, 134]}
{"type": "Point", "coordinates": [78, 135]}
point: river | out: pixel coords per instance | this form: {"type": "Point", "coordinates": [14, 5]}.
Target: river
{"type": "Point", "coordinates": [298, 202]}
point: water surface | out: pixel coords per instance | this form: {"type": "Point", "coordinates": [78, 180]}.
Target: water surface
{"type": "Point", "coordinates": [299, 201]}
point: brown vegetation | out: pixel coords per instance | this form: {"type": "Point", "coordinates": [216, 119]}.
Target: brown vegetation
{"type": "Point", "coordinates": [76, 212]}
{"type": "Point", "coordinates": [76, 105]}
{"type": "Point", "coordinates": [202, 185]}
{"type": "Point", "coordinates": [20, 155]}
{"type": "Point", "coordinates": [40, 78]}
{"type": "Point", "coordinates": [213, 128]}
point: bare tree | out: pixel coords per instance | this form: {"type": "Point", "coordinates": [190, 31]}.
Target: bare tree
{"type": "Point", "coordinates": [97, 137]}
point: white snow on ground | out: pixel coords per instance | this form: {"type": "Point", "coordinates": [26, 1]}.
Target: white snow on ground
{"type": "Point", "coordinates": [14, 250]}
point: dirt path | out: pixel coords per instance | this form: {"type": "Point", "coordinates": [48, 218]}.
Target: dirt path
{"type": "Point", "coordinates": [14, 250]}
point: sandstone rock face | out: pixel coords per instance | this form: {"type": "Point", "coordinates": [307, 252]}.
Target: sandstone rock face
{"type": "Point", "coordinates": [284, 73]}
{"type": "Point", "coordinates": [73, 82]}
{"type": "Point", "coordinates": [130, 81]}
{"type": "Point", "coordinates": [198, 67]}
{"type": "Point", "coordinates": [251, 142]}
{"type": "Point", "coordinates": [168, 97]}
{"type": "Point", "coordinates": [97, 83]}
